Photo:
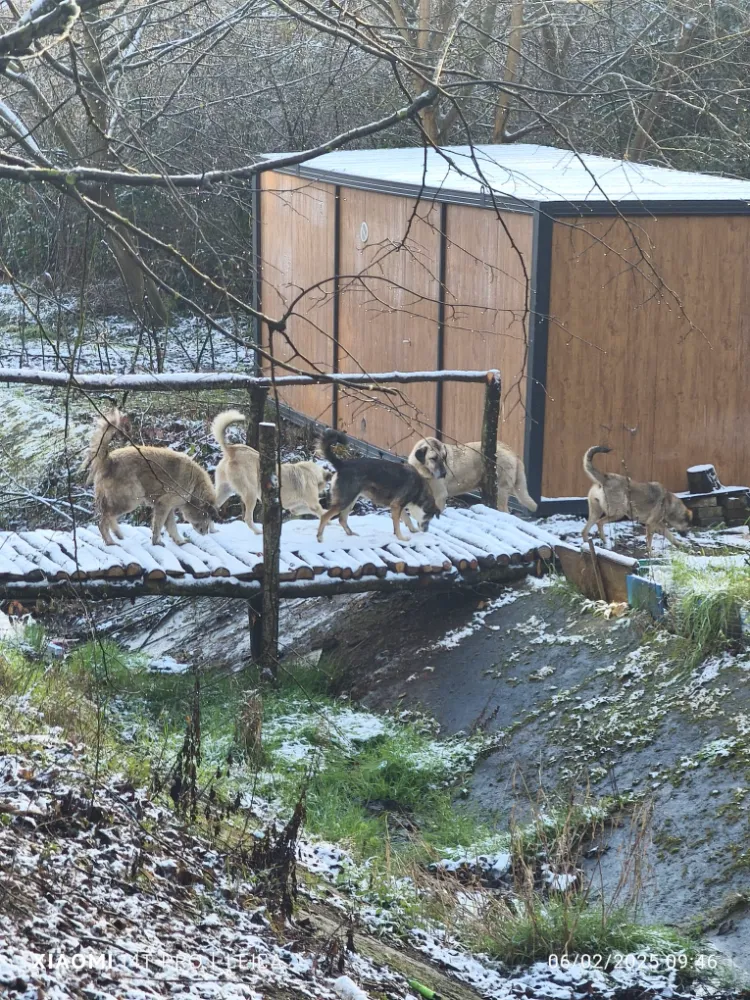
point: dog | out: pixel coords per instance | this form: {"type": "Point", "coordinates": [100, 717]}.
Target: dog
{"type": "Point", "coordinates": [452, 469]}
{"type": "Point", "coordinates": [614, 498]}
{"type": "Point", "coordinates": [238, 473]}
{"type": "Point", "coordinates": [160, 478]}
{"type": "Point", "coordinates": [387, 484]}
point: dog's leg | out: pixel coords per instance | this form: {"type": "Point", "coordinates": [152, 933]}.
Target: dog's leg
{"type": "Point", "coordinates": [171, 525]}
{"type": "Point", "coordinates": [405, 517]}
{"type": "Point", "coordinates": [670, 537]}
{"type": "Point", "coordinates": [104, 529]}
{"type": "Point", "coordinates": [397, 512]}
{"type": "Point", "coordinates": [502, 500]}
{"type": "Point", "coordinates": [602, 533]}
{"type": "Point", "coordinates": [588, 526]}
{"type": "Point", "coordinates": [249, 501]}
{"type": "Point", "coordinates": [596, 513]}
{"type": "Point", "coordinates": [344, 518]}
{"type": "Point", "coordinates": [223, 492]}
{"type": "Point", "coordinates": [649, 539]}
{"type": "Point", "coordinates": [325, 518]}
{"type": "Point", "coordinates": [161, 513]}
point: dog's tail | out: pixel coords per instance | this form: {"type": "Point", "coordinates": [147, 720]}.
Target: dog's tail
{"type": "Point", "coordinates": [588, 466]}
{"type": "Point", "coordinates": [97, 454]}
{"type": "Point", "coordinates": [521, 489]}
{"type": "Point", "coordinates": [220, 423]}
{"type": "Point", "coordinates": [326, 441]}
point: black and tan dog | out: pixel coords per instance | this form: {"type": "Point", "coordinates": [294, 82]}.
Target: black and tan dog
{"type": "Point", "coordinates": [387, 484]}
{"type": "Point", "coordinates": [615, 498]}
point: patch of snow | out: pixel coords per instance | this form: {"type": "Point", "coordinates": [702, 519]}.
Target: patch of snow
{"type": "Point", "coordinates": [454, 638]}
{"type": "Point", "coordinates": [167, 665]}
{"type": "Point", "coordinates": [348, 990]}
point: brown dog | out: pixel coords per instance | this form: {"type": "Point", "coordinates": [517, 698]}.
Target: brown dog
{"type": "Point", "coordinates": [159, 478]}
{"type": "Point", "coordinates": [616, 498]}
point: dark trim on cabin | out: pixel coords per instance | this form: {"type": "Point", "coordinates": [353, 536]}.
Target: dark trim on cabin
{"type": "Point", "coordinates": [257, 299]}
{"type": "Point", "coordinates": [573, 506]}
{"type": "Point", "coordinates": [566, 209]}
{"type": "Point", "coordinates": [553, 209]}
{"type": "Point", "coordinates": [483, 199]}
{"type": "Point", "coordinates": [442, 277]}
{"type": "Point", "coordinates": [536, 361]}
{"type": "Point", "coordinates": [336, 304]}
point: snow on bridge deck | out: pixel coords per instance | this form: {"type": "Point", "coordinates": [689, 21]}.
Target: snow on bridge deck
{"type": "Point", "coordinates": [458, 545]}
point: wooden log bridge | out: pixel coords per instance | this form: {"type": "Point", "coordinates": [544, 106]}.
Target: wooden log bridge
{"type": "Point", "coordinates": [230, 560]}
{"type": "Point", "coordinates": [462, 547]}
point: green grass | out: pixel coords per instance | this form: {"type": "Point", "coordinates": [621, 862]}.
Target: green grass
{"type": "Point", "coordinates": [384, 789]}
{"type": "Point", "coordinates": [706, 605]}
{"type": "Point", "coordinates": [391, 790]}
{"type": "Point", "coordinates": [570, 927]}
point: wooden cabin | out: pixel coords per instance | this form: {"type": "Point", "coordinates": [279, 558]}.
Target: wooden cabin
{"type": "Point", "coordinates": [613, 298]}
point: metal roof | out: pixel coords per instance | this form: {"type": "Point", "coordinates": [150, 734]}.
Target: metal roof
{"type": "Point", "coordinates": [520, 174]}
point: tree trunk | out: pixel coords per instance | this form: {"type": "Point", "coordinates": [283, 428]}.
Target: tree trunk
{"type": "Point", "coordinates": [143, 294]}
{"type": "Point", "coordinates": [642, 136]}
{"type": "Point", "coordinates": [511, 69]}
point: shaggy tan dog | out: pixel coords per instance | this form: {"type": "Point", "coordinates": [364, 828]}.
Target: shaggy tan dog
{"type": "Point", "coordinates": [160, 478]}
{"type": "Point", "coordinates": [238, 473]}
{"type": "Point", "coordinates": [463, 467]}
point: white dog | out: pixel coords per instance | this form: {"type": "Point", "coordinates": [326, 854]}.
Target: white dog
{"type": "Point", "coordinates": [463, 467]}
{"type": "Point", "coordinates": [238, 473]}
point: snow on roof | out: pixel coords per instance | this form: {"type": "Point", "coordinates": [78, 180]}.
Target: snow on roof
{"type": "Point", "coordinates": [520, 172]}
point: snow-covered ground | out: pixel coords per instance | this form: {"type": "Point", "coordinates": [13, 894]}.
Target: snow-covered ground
{"type": "Point", "coordinates": [47, 334]}
{"type": "Point", "coordinates": [109, 896]}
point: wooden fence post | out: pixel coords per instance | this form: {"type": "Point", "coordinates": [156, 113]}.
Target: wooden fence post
{"type": "Point", "coordinates": [258, 397]}
{"type": "Point", "coordinates": [489, 438]}
{"type": "Point", "coordinates": [270, 495]}
{"type": "Point", "coordinates": [255, 622]}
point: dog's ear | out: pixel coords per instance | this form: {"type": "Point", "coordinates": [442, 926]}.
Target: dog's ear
{"type": "Point", "coordinates": [420, 453]}
{"type": "Point", "coordinates": [212, 512]}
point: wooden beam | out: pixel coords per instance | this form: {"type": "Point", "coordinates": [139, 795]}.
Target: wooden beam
{"type": "Point", "coordinates": [197, 381]}
{"type": "Point", "coordinates": [322, 586]}
{"type": "Point", "coordinates": [270, 472]}
{"type": "Point", "coordinates": [489, 438]}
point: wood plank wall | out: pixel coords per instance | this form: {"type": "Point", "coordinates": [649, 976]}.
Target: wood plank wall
{"type": "Point", "coordinates": [649, 349]}
{"type": "Point", "coordinates": [297, 226]}
{"type": "Point", "coordinates": [486, 294]}
{"type": "Point", "coordinates": [388, 305]}
{"type": "Point", "coordinates": [388, 313]}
